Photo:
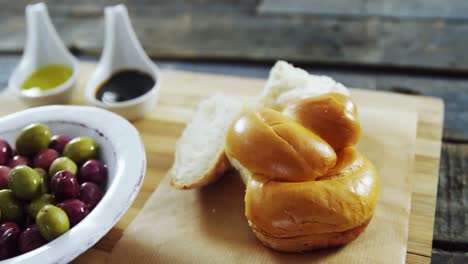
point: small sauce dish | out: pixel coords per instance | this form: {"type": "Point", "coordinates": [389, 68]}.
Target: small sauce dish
{"type": "Point", "coordinates": [47, 71]}
{"type": "Point", "coordinates": [124, 67]}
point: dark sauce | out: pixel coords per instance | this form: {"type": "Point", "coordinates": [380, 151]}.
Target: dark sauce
{"type": "Point", "coordinates": [125, 85]}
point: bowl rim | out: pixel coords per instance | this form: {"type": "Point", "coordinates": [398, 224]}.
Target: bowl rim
{"type": "Point", "coordinates": [119, 194]}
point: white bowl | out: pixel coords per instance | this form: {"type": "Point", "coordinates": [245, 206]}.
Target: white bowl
{"type": "Point", "coordinates": [120, 147]}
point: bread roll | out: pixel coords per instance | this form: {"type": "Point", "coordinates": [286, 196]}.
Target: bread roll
{"type": "Point", "coordinates": [199, 155]}
{"type": "Point", "coordinates": [294, 203]}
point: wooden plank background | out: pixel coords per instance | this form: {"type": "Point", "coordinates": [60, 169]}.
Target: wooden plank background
{"type": "Point", "coordinates": [449, 10]}
{"type": "Point", "coordinates": [393, 33]}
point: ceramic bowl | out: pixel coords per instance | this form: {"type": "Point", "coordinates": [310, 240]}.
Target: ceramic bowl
{"type": "Point", "coordinates": [120, 147]}
{"type": "Point", "coordinates": [123, 51]}
{"type": "Point", "coordinates": [43, 47]}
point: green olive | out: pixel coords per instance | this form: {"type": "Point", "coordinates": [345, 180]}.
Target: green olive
{"type": "Point", "coordinates": [32, 139]}
{"type": "Point", "coordinates": [52, 222]}
{"type": "Point", "coordinates": [45, 180]}
{"type": "Point", "coordinates": [38, 203]}
{"type": "Point", "coordinates": [80, 149]}
{"type": "Point", "coordinates": [24, 182]}
{"type": "Point", "coordinates": [62, 163]}
{"type": "Point", "coordinates": [12, 208]}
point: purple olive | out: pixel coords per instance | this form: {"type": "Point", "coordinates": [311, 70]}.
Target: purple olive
{"type": "Point", "coordinates": [4, 170]}
{"type": "Point", "coordinates": [93, 171]}
{"type": "Point", "coordinates": [90, 193]}
{"type": "Point", "coordinates": [30, 239]}
{"type": "Point", "coordinates": [75, 209]}
{"type": "Point", "coordinates": [58, 142]}
{"type": "Point", "coordinates": [19, 160]}
{"type": "Point", "coordinates": [5, 152]}
{"type": "Point", "coordinates": [9, 233]}
{"type": "Point", "coordinates": [64, 185]}
{"type": "Point", "coordinates": [44, 158]}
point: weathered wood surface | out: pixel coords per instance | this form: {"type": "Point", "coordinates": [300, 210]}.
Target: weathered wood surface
{"type": "Point", "coordinates": [452, 228]}
{"type": "Point", "coordinates": [453, 90]}
{"type": "Point", "coordinates": [450, 10]}
{"type": "Point", "coordinates": [237, 30]}
{"type": "Point", "coordinates": [445, 257]}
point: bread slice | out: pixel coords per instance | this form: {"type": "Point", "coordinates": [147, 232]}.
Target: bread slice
{"type": "Point", "coordinates": [287, 83]}
{"type": "Point", "coordinates": [199, 156]}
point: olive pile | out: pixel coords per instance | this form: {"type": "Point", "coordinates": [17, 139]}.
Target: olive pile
{"type": "Point", "coordinates": [48, 184]}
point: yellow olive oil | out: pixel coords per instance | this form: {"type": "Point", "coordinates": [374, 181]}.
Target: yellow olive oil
{"type": "Point", "coordinates": [47, 77]}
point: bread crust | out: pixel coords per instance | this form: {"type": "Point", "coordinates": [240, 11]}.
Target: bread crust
{"type": "Point", "coordinates": [269, 143]}
{"type": "Point", "coordinates": [331, 116]}
{"type": "Point", "coordinates": [311, 242]}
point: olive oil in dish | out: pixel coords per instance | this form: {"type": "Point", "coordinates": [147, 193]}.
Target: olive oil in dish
{"type": "Point", "coordinates": [124, 85]}
{"type": "Point", "coordinates": [46, 78]}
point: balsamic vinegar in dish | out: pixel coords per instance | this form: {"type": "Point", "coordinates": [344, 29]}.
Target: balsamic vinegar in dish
{"type": "Point", "coordinates": [124, 85]}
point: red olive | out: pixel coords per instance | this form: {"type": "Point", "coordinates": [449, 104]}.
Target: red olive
{"type": "Point", "coordinates": [90, 193]}
{"type": "Point", "coordinates": [5, 152]}
{"type": "Point", "coordinates": [64, 185]}
{"type": "Point", "coordinates": [75, 209]}
{"type": "Point", "coordinates": [9, 233]}
{"type": "Point", "coordinates": [44, 158]}
{"type": "Point", "coordinates": [19, 160]}
{"type": "Point", "coordinates": [4, 170]}
{"type": "Point", "coordinates": [30, 239]}
{"type": "Point", "coordinates": [58, 142]}
{"type": "Point", "coordinates": [93, 171]}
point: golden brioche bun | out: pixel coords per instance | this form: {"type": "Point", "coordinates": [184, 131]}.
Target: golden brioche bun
{"type": "Point", "coordinates": [301, 195]}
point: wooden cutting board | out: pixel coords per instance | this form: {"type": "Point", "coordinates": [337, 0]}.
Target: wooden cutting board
{"type": "Point", "coordinates": [180, 94]}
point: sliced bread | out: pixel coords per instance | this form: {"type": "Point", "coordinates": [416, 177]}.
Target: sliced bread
{"type": "Point", "coordinates": [199, 156]}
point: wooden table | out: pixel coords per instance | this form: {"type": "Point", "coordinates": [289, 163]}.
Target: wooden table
{"type": "Point", "coordinates": [449, 231]}
{"type": "Point", "coordinates": [413, 33]}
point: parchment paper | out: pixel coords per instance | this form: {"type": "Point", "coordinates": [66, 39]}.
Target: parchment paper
{"type": "Point", "coordinates": [208, 225]}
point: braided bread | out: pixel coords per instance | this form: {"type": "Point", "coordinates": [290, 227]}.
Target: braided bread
{"type": "Point", "coordinates": [307, 186]}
